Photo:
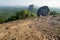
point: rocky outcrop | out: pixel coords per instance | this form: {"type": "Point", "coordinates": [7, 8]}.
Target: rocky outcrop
{"type": "Point", "coordinates": [43, 11]}
{"type": "Point", "coordinates": [31, 8]}
{"type": "Point", "coordinates": [40, 28]}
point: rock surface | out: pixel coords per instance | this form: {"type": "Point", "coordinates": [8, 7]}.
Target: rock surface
{"type": "Point", "coordinates": [40, 28]}
{"type": "Point", "coordinates": [43, 11]}
{"type": "Point", "coordinates": [31, 7]}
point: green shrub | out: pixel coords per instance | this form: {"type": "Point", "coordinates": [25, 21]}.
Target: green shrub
{"type": "Point", "coordinates": [2, 20]}
{"type": "Point", "coordinates": [53, 13]}
{"type": "Point", "coordinates": [23, 14]}
{"type": "Point", "coordinates": [33, 15]}
{"type": "Point", "coordinates": [12, 18]}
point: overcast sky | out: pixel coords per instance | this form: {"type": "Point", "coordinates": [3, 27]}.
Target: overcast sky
{"type": "Point", "coordinates": [50, 3]}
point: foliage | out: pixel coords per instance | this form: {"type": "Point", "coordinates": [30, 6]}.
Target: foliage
{"type": "Point", "coordinates": [33, 15]}
{"type": "Point", "coordinates": [2, 20]}
{"type": "Point", "coordinates": [18, 15]}
{"type": "Point", "coordinates": [53, 13]}
{"type": "Point", "coordinates": [23, 14]}
{"type": "Point", "coordinates": [12, 18]}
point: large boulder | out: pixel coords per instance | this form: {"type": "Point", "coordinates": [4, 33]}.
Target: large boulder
{"type": "Point", "coordinates": [31, 7]}
{"type": "Point", "coordinates": [44, 11]}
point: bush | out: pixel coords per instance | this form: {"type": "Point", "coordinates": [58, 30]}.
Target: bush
{"type": "Point", "coordinates": [33, 15]}
{"type": "Point", "coordinates": [12, 18]}
{"type": "Point", "coordinates": [23, 14]}
{"type": "Point", "coordinates": [2, 20]}
{"type": "Point", "coordinates": [53, 13]}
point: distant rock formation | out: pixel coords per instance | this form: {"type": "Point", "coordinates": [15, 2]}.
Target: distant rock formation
{"type": "Point", "coordinates": [31, 7]}
{"type": "Point", "coordinates": [44, 11]}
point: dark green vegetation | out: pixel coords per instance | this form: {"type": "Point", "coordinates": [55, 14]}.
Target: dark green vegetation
{"type": "Point", "coordinates": [24, 14]}
{"type": "Point", "coordinates": [53, 13]}
{"type": "Point", "coordinates": [18, 15]}
{"type": "Point", "coordinates": [2, 20]}
{"type": "Point", "coordinates": [15, 13]}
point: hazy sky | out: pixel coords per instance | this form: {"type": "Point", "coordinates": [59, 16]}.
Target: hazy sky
{"type": "Point", "coordinates": [50, 3]}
